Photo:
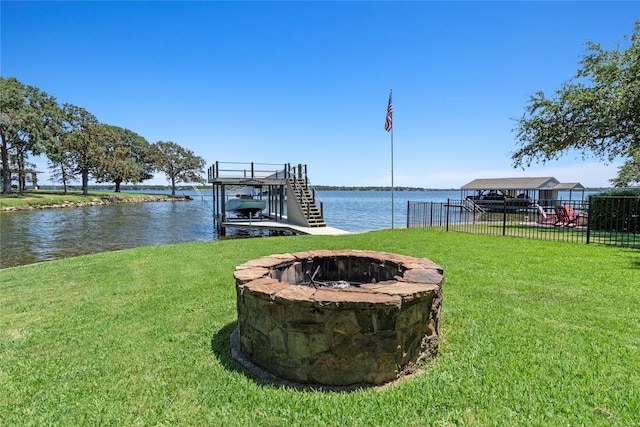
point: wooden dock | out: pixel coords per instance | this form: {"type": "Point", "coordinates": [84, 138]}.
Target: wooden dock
{"type": "Point", "coordinates": [269, 223]}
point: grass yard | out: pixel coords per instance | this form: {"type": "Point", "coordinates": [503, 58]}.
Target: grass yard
{"type": "Point", "coordinates": [534, 333]}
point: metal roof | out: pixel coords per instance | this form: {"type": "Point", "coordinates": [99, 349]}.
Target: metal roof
{"type": "Point", "coordinates": [539, 183]}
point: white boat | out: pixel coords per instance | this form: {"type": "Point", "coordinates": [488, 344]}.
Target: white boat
{"type": "Point", "coordinates": [244, 204]}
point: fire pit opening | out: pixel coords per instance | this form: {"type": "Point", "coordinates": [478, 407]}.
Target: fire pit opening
{"type": "Point", "coordinates": [336, 272]}
{"type": "Point", "coordinates": [338, 318]}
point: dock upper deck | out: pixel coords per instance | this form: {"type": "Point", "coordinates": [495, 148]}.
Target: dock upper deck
{"type": "Point", "coordinates": [247, 174]}
{"type": "Point", "coordinates": [248, 182]}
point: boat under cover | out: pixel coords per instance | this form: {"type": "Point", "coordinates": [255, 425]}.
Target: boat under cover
{"type": "Point", "coordinates": [245, 205]}
{"type": "Point", "coordinates": [498, 201]}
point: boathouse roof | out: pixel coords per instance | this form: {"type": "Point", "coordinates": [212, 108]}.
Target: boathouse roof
{"type": "Point", "coordinates": [569, 186]}
{"type": "Point", "coordinates": [536, 183]}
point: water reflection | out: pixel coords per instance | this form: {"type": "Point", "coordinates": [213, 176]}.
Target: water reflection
{"type": "Point", "coordinates": [42, 235]}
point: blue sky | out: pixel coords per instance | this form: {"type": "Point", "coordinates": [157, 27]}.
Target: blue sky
{"type": "Point", "coordinates": [308, 82]}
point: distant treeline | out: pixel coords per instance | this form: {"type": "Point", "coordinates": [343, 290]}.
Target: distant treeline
{"type": "Point", "coordinates": [347, 188]}
{"type": "Point", "coordinates": [209, 187]}
{"type": "Point", "coordinates": [374, 188]}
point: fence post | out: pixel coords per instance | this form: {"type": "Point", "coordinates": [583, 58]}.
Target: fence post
{"type": "Point", "coordinates": [408, 212]}
{"type": "Point", "coordinates": [447, 216]}
{"type": "Point", "coordinates": [588, 221]}
{"type": "Point", "coordinates": [504, 217]}
{"type": "Point", "coordinates": [431, 214]}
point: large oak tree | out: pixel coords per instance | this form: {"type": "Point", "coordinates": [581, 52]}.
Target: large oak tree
{"type": "Point", "coordinates": [127, 161]}
{"type": "Point", "coordinates": [75, 142]}
{"type": "Point", "coordinates": [596, 113]}
{"type": "Point", "coordinates": [87, 143]}
{"type": "Point", "coordinates": [177, 163]}
{"type": "Point", "coordinates": [29, 119]}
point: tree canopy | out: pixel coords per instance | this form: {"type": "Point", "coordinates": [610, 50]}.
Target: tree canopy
{"type": "Point", "coordinates": [629, 173]}
{"type": "Point", "coordinates": [596, 112]}
{"type": "Point", "coordinates": [126, 161]}
{"type": "Point", "coordinates": [86, 142]}
{"type": "Point", "coordinates": [77, 144]}
{"type": "Point", "coordinates": [28, 121]}
{"type": "Point", "coordinates": [177, 163]}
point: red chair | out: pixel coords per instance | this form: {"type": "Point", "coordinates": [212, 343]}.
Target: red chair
{"type": "Point", "coordinates": [572, 218]}
{"type": "Point", "coordinates": [566, 216]}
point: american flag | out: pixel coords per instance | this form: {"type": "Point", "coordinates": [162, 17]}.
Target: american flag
{"type": "Point", "coordinates": [388, 124]}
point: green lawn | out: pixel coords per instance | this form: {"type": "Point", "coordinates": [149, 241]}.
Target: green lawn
{"type": "Point", "coordinates": [534, 333]}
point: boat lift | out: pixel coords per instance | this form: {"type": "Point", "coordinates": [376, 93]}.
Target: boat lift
{"type": "Point", "coordinates": [291, 202]}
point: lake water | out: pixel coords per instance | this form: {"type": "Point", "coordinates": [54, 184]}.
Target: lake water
{"type": "Point", "coordinates": [41, 235]}
{"type": "Point", "coordinates": [371, 210]}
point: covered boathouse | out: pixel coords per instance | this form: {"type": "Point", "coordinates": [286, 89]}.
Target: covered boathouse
{"type": "Point", "coordinates": [524, 192]}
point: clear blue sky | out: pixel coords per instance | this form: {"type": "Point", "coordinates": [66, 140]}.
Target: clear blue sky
{"type": "Point", "coordinates": [308, 82]}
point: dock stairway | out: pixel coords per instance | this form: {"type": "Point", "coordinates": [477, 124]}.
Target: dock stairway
{"type": "Point", "coordinates": [306, 202]}
{"type": "Point", "coordinates": [471, 206]}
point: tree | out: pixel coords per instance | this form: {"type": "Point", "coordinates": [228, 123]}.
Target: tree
{"type": "Point", "coordinates": [177, 163]}
{"type": "Point", "coordinates": [597, 112]}
{"type": "Point", "coordinates": [128, 161]}
{"type": "Point", "coordinates": [29, 120]}
{"type": "Point", "coordinates": [86, 143]}
{"type": "Point", "coordinates": [61, 169]}
{"type": "Point", "coordinates": [629, 173]}
{"type": "Point", "coordinates": [60, 162]}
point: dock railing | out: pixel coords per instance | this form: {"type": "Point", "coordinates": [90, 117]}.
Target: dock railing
{"type": "Point", "coordinates": [246, 170]}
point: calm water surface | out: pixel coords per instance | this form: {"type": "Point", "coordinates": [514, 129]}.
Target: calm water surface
{"type": "Point", "coordinates": [371, 210]}
{"type": "Point", "coordinates": [42, 235]}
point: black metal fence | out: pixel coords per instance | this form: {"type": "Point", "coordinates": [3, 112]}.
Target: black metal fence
{"type": "Point", "coordinates": [600, 219]}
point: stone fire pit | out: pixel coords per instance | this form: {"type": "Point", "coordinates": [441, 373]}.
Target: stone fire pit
{"type": "Point", "coordinates": [338, 318]}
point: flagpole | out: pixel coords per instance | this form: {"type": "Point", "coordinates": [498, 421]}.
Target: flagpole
{"type": "Point", "coordinates": [388, 126]}
{"type": "Point", "coordinates": [392, 187]}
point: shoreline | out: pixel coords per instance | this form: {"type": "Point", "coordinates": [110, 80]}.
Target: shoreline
{"type": "Point", "coordinates": [113, 200]}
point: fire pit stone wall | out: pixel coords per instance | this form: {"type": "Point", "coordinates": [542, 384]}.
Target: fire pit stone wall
{"type": "Point", "coordinates": [338, 317]}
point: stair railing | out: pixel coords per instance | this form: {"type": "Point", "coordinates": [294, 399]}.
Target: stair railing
{"type": "Point", "coordinates": [305, 193]}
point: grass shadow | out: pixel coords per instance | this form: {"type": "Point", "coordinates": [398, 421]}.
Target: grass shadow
{"type": "Point", "coordinates": [221, 348]}
{"type": "Point", "coordinates": [634, 257]}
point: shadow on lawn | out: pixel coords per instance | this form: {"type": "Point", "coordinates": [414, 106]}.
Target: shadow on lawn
{"type": "Point", "coordinates": [634, 257]}
{"type": "Point", "coordinates": [224, 346]}
{"type": "Point", "coordinates": [221, 347]}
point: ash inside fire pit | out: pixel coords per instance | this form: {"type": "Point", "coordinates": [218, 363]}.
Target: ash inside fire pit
{"type": "Point", "coordinates": [338, 317]}
{"type": "Point", "coordinates": [336, 284]}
